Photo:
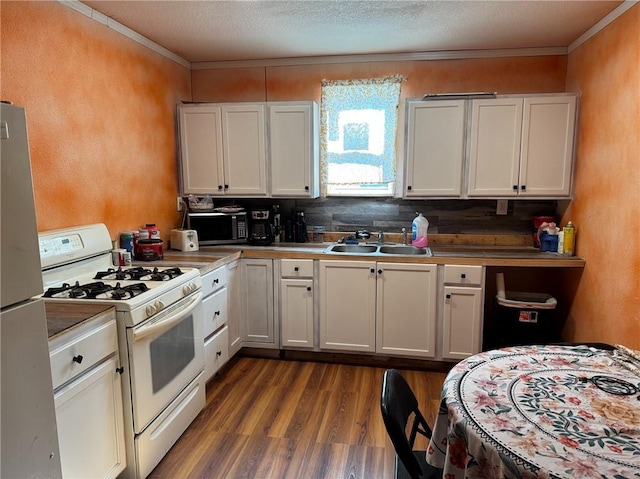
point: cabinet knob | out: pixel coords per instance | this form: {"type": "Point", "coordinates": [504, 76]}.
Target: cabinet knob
{"type": "Point", "coordinates": [78, 359]}
{"type": "Point", "coordinates": [219, 187]}
{"type": "Point", "coordinates": [306, 188]}
{"type": "Point", "coordinates": [226, 187]}
{"type": "Point", "coordinates": [372, 270]}
{"type": "Point", "coordinates": [217, 313]}
{"type": "Point", "coordinates": [218, 353]}
{"type": "Point", "coordinates": [523, 187]}
{"type": "Point", "coordinates": [296, 269]}
{"type": "Point", "coordinates": [216, 281]}
{"type": "Point", "coordinates": [308, 288]}
{"type": "Point", "coordinates": [463, 275]}
{"type": "Point", "coordinates": [379, 271]}
{"type": "Point", "coordinates": [515, 187]}
{"type": "Point", "coordinates": [448, 296]}
{"type": "Point", "coordinates": [120, 370]}
{"type": "Point", "coordinates": [408, 188]}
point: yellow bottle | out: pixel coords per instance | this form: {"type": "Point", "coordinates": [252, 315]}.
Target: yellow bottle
{"type": "Point", "coordinates": [569, 239]}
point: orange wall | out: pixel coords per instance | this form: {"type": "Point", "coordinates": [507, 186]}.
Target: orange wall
{"type": "Point", "coordinates": [606, 205]}
{"type": "Point", "coordinates": [100, 116]}
{"type": "Point", "coordinates": [280, 83]}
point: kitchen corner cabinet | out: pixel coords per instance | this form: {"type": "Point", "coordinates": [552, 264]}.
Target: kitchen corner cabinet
{"type": "Point", "coordinates": [223, 149]}
{"type": "Point", "coordinates": [435, 148]}
{"type": "Point", "coordinates": [258, 318]}
{"type": "Point", "coordinates": [296, 303]}
{"type": "Point", "coordinates": [294, 149]}
{"type": "Point", "coordinates": [521, 146]}
{"type": "Point", "coordinates": [406, 309]}
{"type": "Point", "coordinates": [234, 307]}
{"type": "Point", "coordinates": [88, 399]}
{"type": "Point", "coordinates": [462, 311]}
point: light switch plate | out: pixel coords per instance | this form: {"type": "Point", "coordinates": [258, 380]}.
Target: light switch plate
{"type": "Point", "coordinates": [503, 207]}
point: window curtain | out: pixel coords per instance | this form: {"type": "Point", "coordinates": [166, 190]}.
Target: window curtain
{"type": "Point", "coordinates": [358, 130]}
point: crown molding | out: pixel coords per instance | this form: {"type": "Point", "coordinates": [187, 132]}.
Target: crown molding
{"type": "Point", "coordinates": [615, 13]}
{"type": "Point", "coordinates": [126, 31]}
{"type": "Point", "coordinates": [383, 57]}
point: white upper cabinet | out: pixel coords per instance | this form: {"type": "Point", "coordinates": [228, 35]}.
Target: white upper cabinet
{"type": "Point", "coordinates": [201, 149]}
{"type": "Point", "coordinates": [521, 146]}
{"type": "Point", "coordinates": [223, 149]}
{"type": "Point", "coordinates": [435, 148]}
{"type": "Point", "coordinates": [294, 149]}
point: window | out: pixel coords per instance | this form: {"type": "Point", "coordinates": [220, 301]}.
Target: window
{"type": "Point", "coordinates": [358, 136]}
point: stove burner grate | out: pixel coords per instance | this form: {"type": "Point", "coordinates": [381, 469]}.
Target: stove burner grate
{"type": "Point", "coordinates": [139, 273]}
{"type": "Point", "coordinates": [127, 292]}
{"type": "Point", "coordinates": [96, 290]}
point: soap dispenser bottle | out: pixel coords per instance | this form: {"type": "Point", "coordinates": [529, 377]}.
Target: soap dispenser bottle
{"type": "Point", "coordinates": [419, 231]}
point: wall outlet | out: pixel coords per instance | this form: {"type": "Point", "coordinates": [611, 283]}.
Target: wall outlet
{"type": "Point", "coordinates": [179, 203]}
{"type": "Point", "coordinates": [503, 207]}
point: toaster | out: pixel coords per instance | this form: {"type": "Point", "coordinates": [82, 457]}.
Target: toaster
{"type": "Point", "coordinates": [184, 240]}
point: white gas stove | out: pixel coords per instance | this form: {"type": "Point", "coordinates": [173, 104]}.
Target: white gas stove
{"type": "Point", "coordinates": [77, 266]}
{"type": "Point", "coordinates": [160, 326]}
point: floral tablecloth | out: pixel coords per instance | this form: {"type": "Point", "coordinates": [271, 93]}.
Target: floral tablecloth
{"type": "Point", "coordinates": [538, 412]}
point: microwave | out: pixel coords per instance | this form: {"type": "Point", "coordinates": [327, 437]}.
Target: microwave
{"type": "Point", "coordinates": [218, 228]}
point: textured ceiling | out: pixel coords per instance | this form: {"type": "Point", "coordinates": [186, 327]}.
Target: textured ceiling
{"type": "Point", "coordinates": [205, 31]}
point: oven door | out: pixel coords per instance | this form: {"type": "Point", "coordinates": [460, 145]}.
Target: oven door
{"type": "Point", "coordinates": [165, 354]}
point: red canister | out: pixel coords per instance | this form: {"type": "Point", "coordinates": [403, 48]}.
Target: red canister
{"type": "Point", "coordinates": [149, 249]}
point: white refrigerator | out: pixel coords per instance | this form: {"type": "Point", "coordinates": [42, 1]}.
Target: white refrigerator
{"type": "Point", "coordinates": [29, 440]}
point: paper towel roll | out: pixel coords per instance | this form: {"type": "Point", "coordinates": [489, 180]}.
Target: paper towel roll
{"type": "Point", "coordinates": [500, 285]}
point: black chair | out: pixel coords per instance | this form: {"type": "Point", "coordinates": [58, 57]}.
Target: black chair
{"type": "Point", "coordinates": [398, 403]}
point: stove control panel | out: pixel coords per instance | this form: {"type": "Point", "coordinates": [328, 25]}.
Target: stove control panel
{"type": "Point", "coordinates": [60, 245]}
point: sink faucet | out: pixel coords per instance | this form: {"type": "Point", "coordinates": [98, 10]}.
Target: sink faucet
{"type": "Point", "coordinates": [404, 236]}
{"type": "Point", "coordinates": [380, 237]}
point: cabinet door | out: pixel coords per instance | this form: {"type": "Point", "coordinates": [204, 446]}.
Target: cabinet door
{"type": "Point", "coordinates": [347, 305]}
{"type": "Point", "coordinates": [90, 424]}
{"type": "Point", "coordinates": [258, 317]}
{"type": "Point", "coordinates": [547, 145]}
{"type": "Point", "coordinates": [234, 307]}
{"type": "Point", "coordinates": [462, 335]}
{"type": "Point", "coordinates": [244, 150]}
{"type": "Point", "coordinates": [435, 148]}
{"type": "Point", "coordinates": [296, 309]}
{"type": "Point", "coordinates": [494, 150]}
{"type": "Point", "coordinates": [201, 150]}
{"type": "Point", "coordinates": [293, 149]}
{"type": "Point", "coordinates": [406, 309]}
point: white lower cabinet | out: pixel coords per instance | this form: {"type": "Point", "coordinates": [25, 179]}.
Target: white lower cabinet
{"type": "Point", "coordinates": [406, 309]}
{"type": "Point", "coordinates": [296, 303]}
{"type": "Point", "coordinates": [88, 400]}
{"type": "Point", "coordinates": [462, 311]}
{"type": "Point", "coordinates": [258, 324]}
{"type": "Point", "coordinates": [234, 307]}
{"type": "Point", "coordinates": [215, 312]}
{"type": "Point", "coordinates": [387, 308]}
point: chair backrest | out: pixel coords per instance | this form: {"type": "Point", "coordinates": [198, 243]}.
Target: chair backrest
{"type": "Point", "coordinates": [397, 404]}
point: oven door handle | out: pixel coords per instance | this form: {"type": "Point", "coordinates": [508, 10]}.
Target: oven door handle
{"type": "Point", "coordinates": [167, 323]}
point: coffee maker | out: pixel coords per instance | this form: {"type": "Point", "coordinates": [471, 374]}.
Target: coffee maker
{"type": "Point", "coordinates": [262, 231]}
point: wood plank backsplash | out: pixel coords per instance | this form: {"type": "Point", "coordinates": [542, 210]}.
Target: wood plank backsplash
{"type": "Point", "coordinates": [392, 214]}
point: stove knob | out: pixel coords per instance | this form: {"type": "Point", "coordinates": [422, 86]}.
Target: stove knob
{"type": "Point", "coordinates": [150, 310]}
{"type": "Point", "coordinates": [159, 305]}
{"type": "Point", "coordinates": [186, 289]}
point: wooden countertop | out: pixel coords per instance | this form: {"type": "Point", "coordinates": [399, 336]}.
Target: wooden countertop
{"type": "Point", "coordinates": [482, 255]}
{"type": "Point", "coordinates": [61, 316]}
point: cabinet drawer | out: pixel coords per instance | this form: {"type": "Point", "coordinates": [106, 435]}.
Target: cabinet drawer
{"type": "Point", "coordinates": [297, 268]}
{"type": "Point", "coordinates": [216, 352]}
{"type": "Point", "coordinates": [214, 280]}
{"type": "Point", "coordinates": [87, 349]}
{"type": "Point", "coordinates": [460, 274]}
{"type": "Point", "coordinates": [214, 311]}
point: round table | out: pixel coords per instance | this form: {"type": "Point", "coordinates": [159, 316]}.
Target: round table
{"type": "Point", "coordinates": [538, 412]}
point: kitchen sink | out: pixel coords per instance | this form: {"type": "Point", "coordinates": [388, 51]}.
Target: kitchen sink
{"type": "Point", "coordinates": [365, 249]}
{"type": "Point", "coordinates": [353, 248]}
{"type": "Point", "coordinates": [403, 249]}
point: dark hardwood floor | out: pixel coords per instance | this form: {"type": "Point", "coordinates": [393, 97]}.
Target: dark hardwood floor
{"type": "Point", "coordinates": [269, 418]}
